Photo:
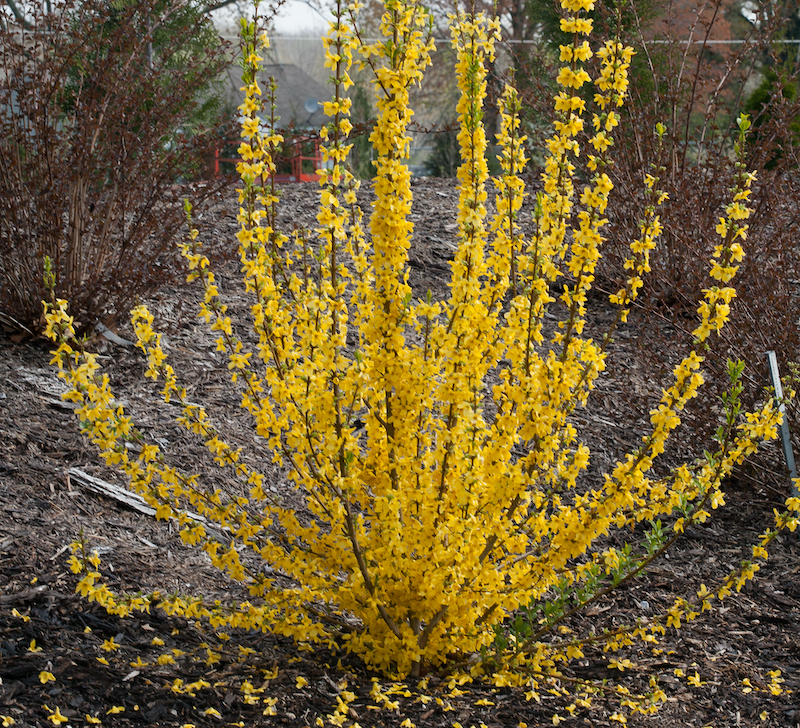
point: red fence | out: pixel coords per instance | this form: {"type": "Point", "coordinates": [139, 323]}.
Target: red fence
{"type": "Point", "coordinates": [299, 162]}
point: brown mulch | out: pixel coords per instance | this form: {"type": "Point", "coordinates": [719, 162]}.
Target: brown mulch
{"type": "Point", "coordinates": [43, 509]}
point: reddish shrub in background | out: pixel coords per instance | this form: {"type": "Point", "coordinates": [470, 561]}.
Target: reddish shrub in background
{"type": "Point", "coordinates": [697, 90]}
{"type": "Point", "coordinates": [101, 107]}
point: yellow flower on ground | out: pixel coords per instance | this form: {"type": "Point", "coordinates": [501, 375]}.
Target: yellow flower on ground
{"type": "Point", "coordinates": [695, 680]}
{"type": "Point", "coordinates": [109, 645]}
{"type": "Point", "coordinates": [55, 717]}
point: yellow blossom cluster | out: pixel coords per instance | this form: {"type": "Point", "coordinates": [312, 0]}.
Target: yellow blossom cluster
{"type": "Point", "coordinates": [650, 228]}
{"type": "Point", "coordinates": [715, 309]}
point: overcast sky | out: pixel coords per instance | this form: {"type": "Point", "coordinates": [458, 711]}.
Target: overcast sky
{"type": "Point", "coordinates": [294, 18]}
{"type": "Point", "coordinates": [297, 17]}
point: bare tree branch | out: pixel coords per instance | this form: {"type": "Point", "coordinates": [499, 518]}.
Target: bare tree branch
{"type": "Point", "coordinates": [12, 5]}
{"type": "Point", "coordinates": [273, 6]}
{"type": "Point", "coordinates": [218, 5]}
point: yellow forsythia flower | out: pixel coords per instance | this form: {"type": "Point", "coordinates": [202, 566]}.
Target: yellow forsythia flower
{"type": "Point", "coordinates": [270, 708]}
{"type": "Point", "coordinates": [109, 645]}
{"type": "Point", "coordinates": [56, 718]}
{"type": "Point", "coordinates": [695, 680]}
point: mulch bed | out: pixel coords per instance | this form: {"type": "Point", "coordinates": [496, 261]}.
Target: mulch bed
{"type": "Point", "coordinates": [258, 679]}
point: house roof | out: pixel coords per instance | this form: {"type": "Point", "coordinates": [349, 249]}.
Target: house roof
{"type": "Point", "coordinates": [296, 93]}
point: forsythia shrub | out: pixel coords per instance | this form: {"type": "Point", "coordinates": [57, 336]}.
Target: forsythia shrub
{"type": "Point", "coordinates": [437, 457]}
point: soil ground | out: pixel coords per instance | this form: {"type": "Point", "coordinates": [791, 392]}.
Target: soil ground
{"type": "Point", "coordinates": [255, 679]}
